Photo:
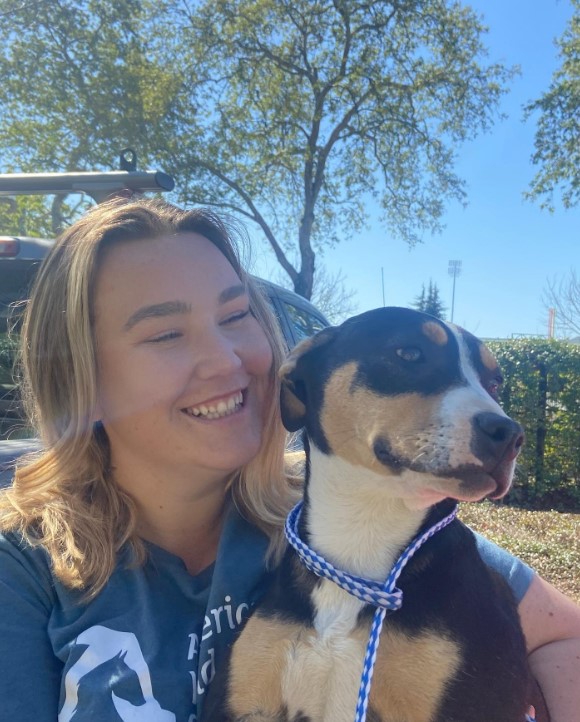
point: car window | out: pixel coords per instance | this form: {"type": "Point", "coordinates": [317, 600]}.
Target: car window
{"type": "Point", "coordinates": [305, 324]}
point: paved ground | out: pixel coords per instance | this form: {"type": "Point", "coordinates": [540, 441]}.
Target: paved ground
{"type": "Point", "coordinates": [9, 452]}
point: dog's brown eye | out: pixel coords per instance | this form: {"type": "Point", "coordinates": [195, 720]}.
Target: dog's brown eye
{"type": "Point", "coordinates": [409, 353]}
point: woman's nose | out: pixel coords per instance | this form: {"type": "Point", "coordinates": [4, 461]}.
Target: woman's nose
{"type": "Point", "coordinates": [216, 356]}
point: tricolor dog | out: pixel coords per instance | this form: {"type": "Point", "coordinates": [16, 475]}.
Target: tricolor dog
{"type": "Point", "coordinates": [401, 420]}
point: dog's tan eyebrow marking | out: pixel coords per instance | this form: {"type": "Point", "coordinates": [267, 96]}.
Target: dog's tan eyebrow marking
{"type": "Point", "coordinates": [435, 333]}
{"type": "Point", "coordinates": [487, 358]}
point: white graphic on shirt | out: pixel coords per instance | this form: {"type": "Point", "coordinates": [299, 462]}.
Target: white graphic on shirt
{"type": "Point", "coordinates": [225, 618]}
{"type": "Point", "coordinates": [118, 659]}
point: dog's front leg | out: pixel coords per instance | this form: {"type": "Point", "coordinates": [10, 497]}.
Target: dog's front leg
{"type": "Point", "coordinates": [258, 666]}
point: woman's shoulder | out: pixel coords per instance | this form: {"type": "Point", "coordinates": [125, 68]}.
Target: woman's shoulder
{"type": "Point", "coordinates": [517, 574]}
{"type": "Point", "coordinates": [25, 567]}
{"type": "Point", "coordinates": [21, 546]}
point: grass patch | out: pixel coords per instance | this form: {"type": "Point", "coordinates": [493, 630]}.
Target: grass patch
{"type": "Point", "coordinates": [549, 541]}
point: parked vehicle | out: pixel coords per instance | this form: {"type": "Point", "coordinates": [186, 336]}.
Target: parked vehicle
{"type": "Point", "coordinates": [19, 261]}
{"type": "Point", "coordinates": [297, 317]}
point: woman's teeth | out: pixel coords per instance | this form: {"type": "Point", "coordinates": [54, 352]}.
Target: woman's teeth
{"type": "Point", "coordinates": [225, 407]}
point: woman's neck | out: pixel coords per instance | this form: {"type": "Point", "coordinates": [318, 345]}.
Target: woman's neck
{"type": "Point", "coordinates": [180, 514]}
{"type": "Point", "coordinates": [191, 532]}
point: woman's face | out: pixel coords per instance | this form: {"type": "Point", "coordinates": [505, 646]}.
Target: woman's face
{"type": "Point", "coordinates": [182, 363]}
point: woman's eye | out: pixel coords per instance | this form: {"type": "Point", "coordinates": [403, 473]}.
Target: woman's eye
{"type": "Point", "coordinates": [238, 316]}
{"type": "Point", "coordinates": [167, 336]}
{"type": "Point", "coordinates": [409, 353]}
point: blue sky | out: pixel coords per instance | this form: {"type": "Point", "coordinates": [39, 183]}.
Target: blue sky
{"type": "Point", "coordinates": [509, 248]}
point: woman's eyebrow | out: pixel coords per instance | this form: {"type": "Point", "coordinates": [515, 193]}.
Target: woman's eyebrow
{"type": "Point", "coordinates": [156, 310]}
{"type": "Point", "coordinates": [232, 292]}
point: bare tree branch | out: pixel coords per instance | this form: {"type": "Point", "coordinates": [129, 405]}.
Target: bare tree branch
{"type": "Point", "coordinates": [563, 295]}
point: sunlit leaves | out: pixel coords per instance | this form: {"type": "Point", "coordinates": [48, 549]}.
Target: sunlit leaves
{"type": "Point", "coordinates": [557, 142]}
{"type": "Point", "coordinates": [78, 85]}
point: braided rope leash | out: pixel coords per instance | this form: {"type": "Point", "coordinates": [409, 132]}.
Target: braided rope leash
{"type": "Point", "coordinates": [385, 597]}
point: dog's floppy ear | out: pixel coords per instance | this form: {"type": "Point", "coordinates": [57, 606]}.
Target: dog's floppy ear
{"type": "Point", "coordinates": [293, 394]}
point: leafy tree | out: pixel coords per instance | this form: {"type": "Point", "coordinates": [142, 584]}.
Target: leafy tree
{"type": "Point", "coordinates": [289, 113]}
{"type": "Point", "coordinates": [79, 84]}
{"type": "Point", "coordinates": [429, 301]}
{"type": "Point", "coordinates": [557, 142]}
{"type": "Point", "coordinates": [39, 216]}
{"type": "Point", "coordinates": [24, 215]}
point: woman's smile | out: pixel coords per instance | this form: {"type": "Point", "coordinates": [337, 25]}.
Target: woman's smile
{"type": "Point", "coordinates": [217, 408]}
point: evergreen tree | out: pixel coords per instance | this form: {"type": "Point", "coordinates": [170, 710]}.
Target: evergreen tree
{"type": "Point", "coordinates": [420, 300]}
{"type": "Point", "coordinates": [430, 301]}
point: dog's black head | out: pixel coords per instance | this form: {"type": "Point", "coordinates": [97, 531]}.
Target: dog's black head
{"type": "Point", "coordinates": [405, 395]}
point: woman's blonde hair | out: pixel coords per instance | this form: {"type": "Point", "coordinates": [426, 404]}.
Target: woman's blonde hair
{"type": "Point", "coordinates": [65, 498]}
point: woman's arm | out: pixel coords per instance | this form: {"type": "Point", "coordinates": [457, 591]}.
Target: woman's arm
{"type": "Point", "coordinates": [551, 623]}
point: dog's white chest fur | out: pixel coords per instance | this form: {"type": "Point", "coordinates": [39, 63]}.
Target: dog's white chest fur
{"type": "Point", "coordinates": [322, 674]}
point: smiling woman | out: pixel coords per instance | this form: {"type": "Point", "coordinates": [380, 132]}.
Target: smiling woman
{"type": "Point", "coordinates": [149, 360]}
{"type": "Point", "coordinates": [174, 326]}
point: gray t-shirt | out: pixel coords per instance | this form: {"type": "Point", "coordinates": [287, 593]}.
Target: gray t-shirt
{"type": "Point", "coordinates": [146, 648]}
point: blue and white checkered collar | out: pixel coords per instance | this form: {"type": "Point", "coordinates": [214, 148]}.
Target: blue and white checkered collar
{"type": "Point", "coordinates": [385, 595]}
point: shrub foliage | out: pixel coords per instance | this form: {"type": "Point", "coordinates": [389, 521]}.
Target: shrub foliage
{"type": "Point", "coordinates": [8, 349]}
{"type": "Point", "coordinates": [542, 392]}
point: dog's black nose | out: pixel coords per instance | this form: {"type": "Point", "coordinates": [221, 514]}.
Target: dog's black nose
{"type": "Point", "coordinates": [497, 436]}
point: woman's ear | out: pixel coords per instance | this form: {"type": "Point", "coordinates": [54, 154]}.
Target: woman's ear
{"type": "Point", "coordinates": [97, 414]}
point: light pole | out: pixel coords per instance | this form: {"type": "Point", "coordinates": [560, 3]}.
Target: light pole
{"type": "Point", "coordinates": [454, 270]}
{"type": "Point", "coordinates": [383, 281]}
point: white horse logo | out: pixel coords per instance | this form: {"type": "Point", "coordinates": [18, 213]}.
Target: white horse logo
{"type": "Point", "coordinates": [113, 659]}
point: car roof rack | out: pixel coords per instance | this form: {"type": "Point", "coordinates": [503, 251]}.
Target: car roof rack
{"type": "Point", "coordinates": [99, 185]}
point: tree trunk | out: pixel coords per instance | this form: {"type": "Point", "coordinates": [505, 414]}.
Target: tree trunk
{"type": "Point", "coordinates": [305, 281]}
{"type": "Point", "coordinates": [541, 428]}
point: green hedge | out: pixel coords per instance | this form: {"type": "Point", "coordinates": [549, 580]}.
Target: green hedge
{"type": "Point", "coordinates": [8, 348]}
{"type": "Point", "coordinates": [542, 392]}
